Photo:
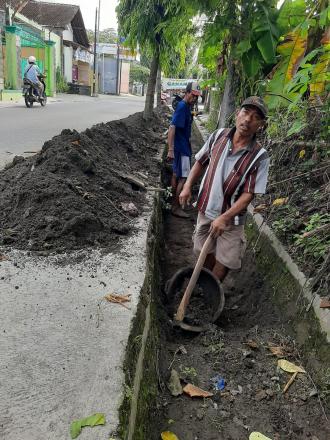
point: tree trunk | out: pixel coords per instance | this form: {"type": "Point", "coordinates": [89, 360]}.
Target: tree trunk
{"type": "Point", "coordinates": [159, 87]}
{"type": "Point", "coordinates": [149, 104]}
{"type": "Point", "coordinates": [227, 106]}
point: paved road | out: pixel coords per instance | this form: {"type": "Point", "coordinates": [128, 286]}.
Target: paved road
{"type": "Point", "coordinates": [25, 129]}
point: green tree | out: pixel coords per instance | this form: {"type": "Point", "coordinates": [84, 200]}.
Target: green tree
{"type": "Point", "coordinates": [158, 27]}
{"type": "Point", "coordinates": [106, 36]}
{"type": "Point", "coordinates": [138, 74]}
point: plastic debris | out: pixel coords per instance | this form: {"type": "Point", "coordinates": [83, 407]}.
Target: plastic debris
{"type": "Point", "coordinates": [174, 384]}
{"type": "Point", "coordinates": [194, 391]}
{"type": "Point", "coordinates": [77, 425]}
{"type": "Point", "coordinates": [258, 436]}
{"type": "Point", "coordinates": [218, 383]}
{"type": "Point", "coordinates": [289, 367]}
{"type": "Point", "coordinates": [168, 435]}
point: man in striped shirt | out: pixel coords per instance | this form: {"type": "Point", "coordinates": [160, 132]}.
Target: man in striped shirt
{"type": "Point", "coordinates": [236, 168]}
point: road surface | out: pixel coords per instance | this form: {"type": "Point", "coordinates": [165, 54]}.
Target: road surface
{"type": "Point", "coordinates": [24, 129]}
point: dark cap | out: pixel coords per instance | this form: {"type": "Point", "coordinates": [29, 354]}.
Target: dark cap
{"type": "Point", "coordinates": [193, 87]}
{"type": "Point", "coordinates": [258, 102]}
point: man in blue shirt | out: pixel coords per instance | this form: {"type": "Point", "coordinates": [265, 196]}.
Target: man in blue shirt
{"type": "Point", "coordinates": [179, 148]}
{"type": "Point", "coordinates": [32, 73]}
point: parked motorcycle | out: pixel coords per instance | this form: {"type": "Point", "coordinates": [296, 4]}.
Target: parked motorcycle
{"type": "Point", "coordinates": [31, 94]}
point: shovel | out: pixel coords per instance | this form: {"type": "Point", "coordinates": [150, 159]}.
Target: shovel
{"type": "Point", "coordinates": [179, 316]}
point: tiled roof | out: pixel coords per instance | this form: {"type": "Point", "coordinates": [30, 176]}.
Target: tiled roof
{"type": "Point", "coordinates": [56, 16]}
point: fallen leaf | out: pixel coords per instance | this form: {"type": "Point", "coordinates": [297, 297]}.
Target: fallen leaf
{"type": "Point", "coordinates": [276, 351]}
{"type": "Point", "coordinates": [289, 367]}
{"type": "Point", "coordinates": [325, 303]}
{"type": "Point", "coordinates": [3, 257]}
{"type": "Point", "coordinates": [174, 384]}
{"type": "Point", "coordinates": [194, 391]}
{"type": "Point", "coordinates": [260, 208]}
{"type": "Point", "coordinates": [252, 344]}
{"type": "Point", "coordinates": [75, 143]}
{"type": "Point", "coordinates": [168, 435]}
{"type": "Point", "coordinates": [302, 154]}
{"type": "Point", "coordinates": [77, 425]}
{"type": "Point", "coordinates": [258, 436]}
{"type": "Point", "coordinates": [281, 201]}
{"type": "Point", "coordinates": [119, 299]}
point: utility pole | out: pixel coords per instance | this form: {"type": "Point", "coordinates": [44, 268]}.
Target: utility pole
{"type": "Point", "coordinates": [94, 66]}
{"type": "Point", "coordinates": [118, 64]}
{"type": "Point", "coordinates": [98, 50]}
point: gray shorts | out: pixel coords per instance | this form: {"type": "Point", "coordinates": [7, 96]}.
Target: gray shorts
{"type": "Point", "coordinates": [228, 249]}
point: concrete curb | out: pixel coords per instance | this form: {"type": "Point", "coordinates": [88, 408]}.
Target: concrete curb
{"type": "Point", "coordinates": [314, 300]}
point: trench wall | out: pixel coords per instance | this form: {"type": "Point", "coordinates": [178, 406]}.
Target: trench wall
{"type": "Point", "coordinates": [141, 362]}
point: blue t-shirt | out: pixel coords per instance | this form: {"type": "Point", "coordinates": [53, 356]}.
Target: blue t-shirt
{"type": "Point", "coordinates": [182, 121]}
{"type": "Point", "coordinates": [31, 73]}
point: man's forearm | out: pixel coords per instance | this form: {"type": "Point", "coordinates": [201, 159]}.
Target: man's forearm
{"type": "Point", "coordinates": [240, 205]}
{"type": "Point", "coordinates": [195, 173]}
{"type": "Point", "coordinates": [170, 137]}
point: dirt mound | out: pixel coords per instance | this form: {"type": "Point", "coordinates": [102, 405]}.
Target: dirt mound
{"type": "Point", "coordinates": [78, 191]}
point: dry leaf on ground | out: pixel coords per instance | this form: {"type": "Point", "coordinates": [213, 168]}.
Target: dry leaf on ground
{"type": "Point", "coordinates": [119, 299]}
{"type": "Point", "coordinates": [325, 302]}
{"type": "Point", "coordinates": [168, 435]}
{"type": "Point", "coordinates": [281, 201]}
{"type": "Point", "coordinates": [289, 367]}
{"type": "Point", "coordinates": [194, 391]}
{"type": "Point", "coordinates": [276, 351]}
{"type": "Point", "coordinates": [258, 436]}
{"type": "Point", "coordinates": [259, 208]}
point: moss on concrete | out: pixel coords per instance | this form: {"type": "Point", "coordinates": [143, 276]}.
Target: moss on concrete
{"type": "Point", "coordinates": [145, 397]}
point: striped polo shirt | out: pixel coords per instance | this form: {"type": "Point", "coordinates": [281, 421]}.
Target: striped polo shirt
{"type": "Point", "coordinates": [228, 175]}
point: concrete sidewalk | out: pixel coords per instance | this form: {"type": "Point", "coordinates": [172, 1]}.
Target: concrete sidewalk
{"type": "Point", "coordinates": [62, 344]}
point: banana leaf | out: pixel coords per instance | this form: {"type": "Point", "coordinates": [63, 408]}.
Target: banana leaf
{"type": "Point", "coordinates": [320, 74]}
{"type": "Point", "coordinates": [292, 50]}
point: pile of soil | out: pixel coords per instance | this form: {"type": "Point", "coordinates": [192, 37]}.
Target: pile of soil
{"type": "Point", "coordinates": [70, 195]}
{"type": "Point", "coordinates": [199, 312]}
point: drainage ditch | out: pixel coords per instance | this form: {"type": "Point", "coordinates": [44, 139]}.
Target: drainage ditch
{"type": "Point", "coordinates": [242, 350]}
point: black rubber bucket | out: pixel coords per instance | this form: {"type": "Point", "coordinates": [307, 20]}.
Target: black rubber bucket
{"type": "Point", "coordinates": [213, 294]}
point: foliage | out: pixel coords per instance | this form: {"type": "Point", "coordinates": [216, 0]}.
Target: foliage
{"type": "Point", "coordinates": [139, 74]}
{"type": "Point", "coordinates": [314, 245]}
{"type": "Point", "coordinates": [108, 35]}
{"type": "Point", "coordinates": [61, 83]}
{"type": "Point", "coordinates": [297, 76]}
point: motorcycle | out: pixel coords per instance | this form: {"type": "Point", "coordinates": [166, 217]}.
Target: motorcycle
{"type": "Point", "coordinates": [31, 94]}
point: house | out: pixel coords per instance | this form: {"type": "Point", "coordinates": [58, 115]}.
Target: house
{"type": "Point", "coordinates": [67, 22]}
{"type": "Point", "coordinates": [20, 38]}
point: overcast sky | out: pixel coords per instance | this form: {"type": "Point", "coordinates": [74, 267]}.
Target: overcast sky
{"type": "Point", "coordinates": [108, 14]}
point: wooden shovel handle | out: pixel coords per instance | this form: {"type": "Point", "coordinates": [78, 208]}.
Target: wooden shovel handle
{"type": "Point", "coordinates": [192, 282]}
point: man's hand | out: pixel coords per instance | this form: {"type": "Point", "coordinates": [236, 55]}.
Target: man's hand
{"type": "Point", "coordinates": [218, 225]}
{"type": "Point", "coordinates": [170, 154]}
{"type": "Point", "coordinates": [185, 196]}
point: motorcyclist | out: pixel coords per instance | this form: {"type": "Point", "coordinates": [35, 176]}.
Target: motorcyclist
{"type": "Point", "coordinates": [32, 73]}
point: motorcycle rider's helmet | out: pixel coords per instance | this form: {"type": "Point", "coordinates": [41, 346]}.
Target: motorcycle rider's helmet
{"type": "Point", "coordinates": [32, 59]}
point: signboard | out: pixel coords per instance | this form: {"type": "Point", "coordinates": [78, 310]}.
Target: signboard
{"type": "Point", "coordinates": [175, 84]}
{"type": "Point", "coordinates": [112, 49]}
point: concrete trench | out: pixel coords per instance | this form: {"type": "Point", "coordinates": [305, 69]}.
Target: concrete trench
{"type": "Point", "coordinates": [82, 356]}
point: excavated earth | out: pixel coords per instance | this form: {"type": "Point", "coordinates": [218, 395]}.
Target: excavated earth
{"type": "Point", "coordinates": [82, 189]}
